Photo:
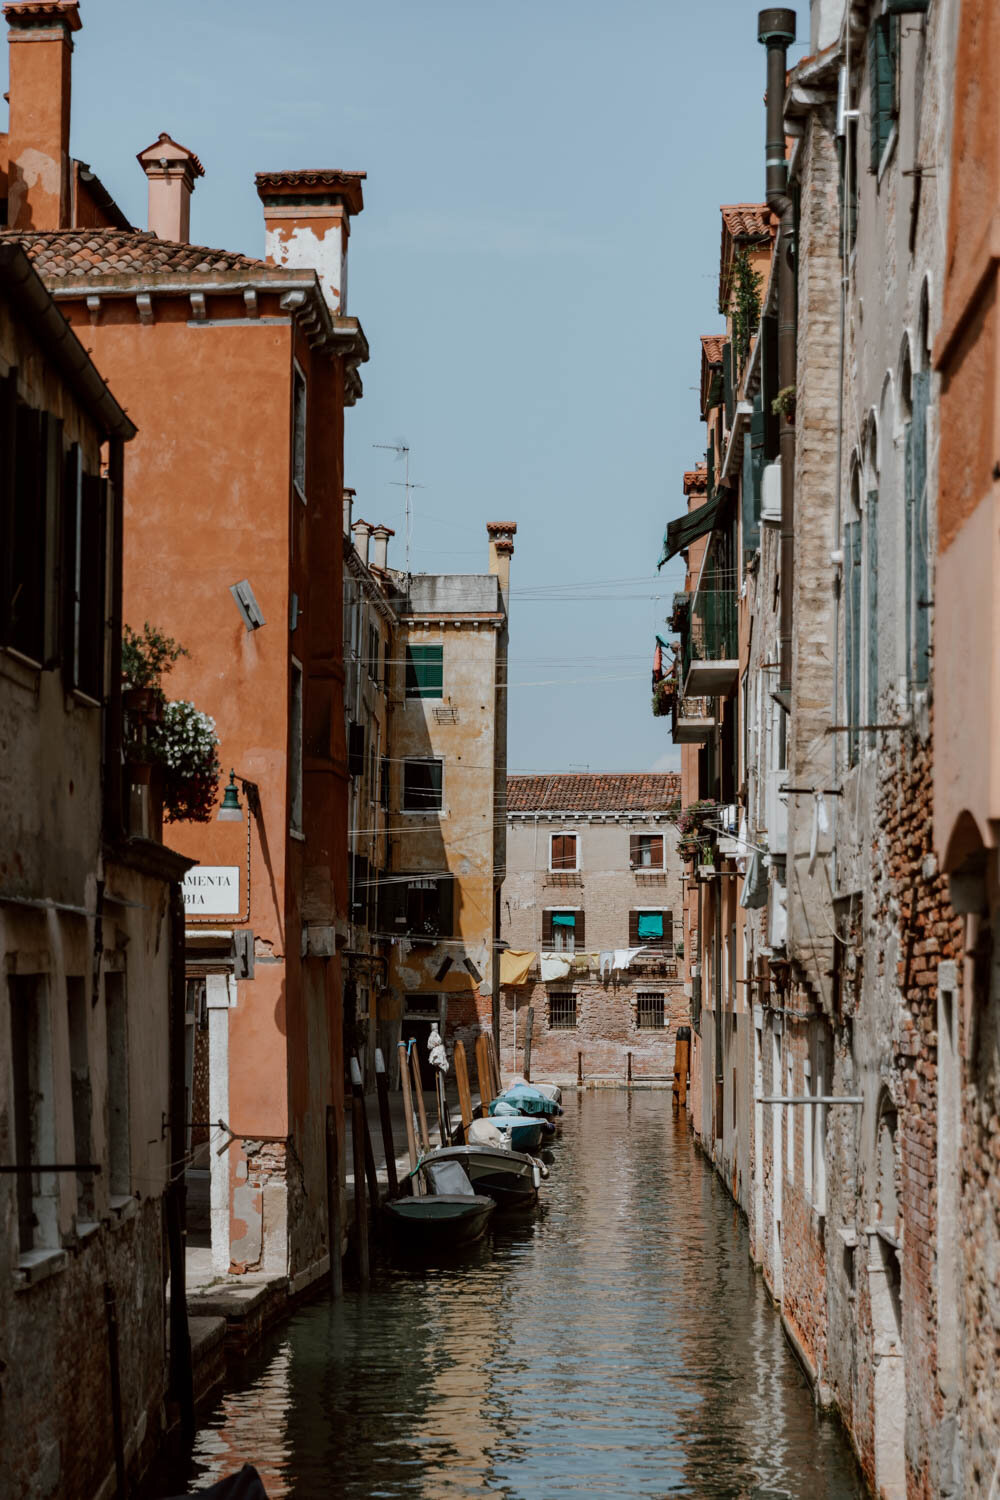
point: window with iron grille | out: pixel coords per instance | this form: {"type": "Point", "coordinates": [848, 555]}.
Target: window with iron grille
{"type": "Point", "coordinates": [562, 1010]}
{"type": "Point", "coordinates": [651, 1012]}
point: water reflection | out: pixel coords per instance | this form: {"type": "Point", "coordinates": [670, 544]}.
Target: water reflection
{"type": "Point", "coordinates": [620, 1345]}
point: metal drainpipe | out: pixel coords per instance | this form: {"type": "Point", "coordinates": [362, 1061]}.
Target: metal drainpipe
{"type": "Point", "coordinates": [776, 31]}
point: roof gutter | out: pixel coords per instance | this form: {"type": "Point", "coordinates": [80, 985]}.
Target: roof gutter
{"type": "Point", "coordinates": [776, 31]}
{"type": "Point", "coordinates": [35, 307]}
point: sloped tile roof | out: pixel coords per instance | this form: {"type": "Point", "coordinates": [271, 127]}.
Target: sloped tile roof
{"type": "Point", "coordinates": [67, 254]}
{"type": "Point", "coordinates": [711, 347]}
{"type": "Point", "coordinates": [696, 479]}
{"type": "Point", "coordinates": [747, 221]}
{"type": "Point", "coordinates": [306, 177]}
{"type": "Point", "coordinates": [601, 791]}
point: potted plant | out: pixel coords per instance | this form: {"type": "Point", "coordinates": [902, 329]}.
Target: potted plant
{"type": "Point", "coordinates": [185, 745]}
{"type": "Point", "coordinates": [146, 657]}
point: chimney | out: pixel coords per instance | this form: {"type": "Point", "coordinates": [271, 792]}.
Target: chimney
{"type": "Point", "coordinates": [501, 535]}
{"type": "Point", "coordinates": [41, 56]}
{"type": "Point", "coordinates": [307, 222]}
{"type": "Point", "coordinates": [361, 531]}
{"type": "Point", "coordinates": [348, 507]}
{"type": "Point", "coordinates": [172, 171]}
{"type": "Point", "coordinates": [381, 534]}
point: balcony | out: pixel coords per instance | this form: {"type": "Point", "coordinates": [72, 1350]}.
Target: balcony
{"type": "Point", "coordinates": [711, 651]}
{"type": "Point", "coordinates": [692, 721]}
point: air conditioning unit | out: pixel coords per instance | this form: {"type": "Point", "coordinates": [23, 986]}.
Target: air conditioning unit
{"type": "Point", "coordinates": [777, 915]}
{"type": "Point", "coordinates": [770, 493]}
{"type": "Point", "coordinates": [776, 812]}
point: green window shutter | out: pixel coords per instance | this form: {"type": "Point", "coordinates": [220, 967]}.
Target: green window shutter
{"type": "Point", "coordinates": [727, 382]}
{"type": "Point", "coordinates": [852, 555]}
{"type": "Point", "coordinates": [769, 385]}
{"type": "Point", "coordinates": [424, 671]}
{"type": "Point", "coordinates": [710, 461]}
{"type": "Point", "coordinates": [753, 466]}
{"type": "Point", "coordinates": [871, 570]}
{"type": "Point", "coordinates": [909, 505]}
{"type": "Point", "coordinates": [881, 84]}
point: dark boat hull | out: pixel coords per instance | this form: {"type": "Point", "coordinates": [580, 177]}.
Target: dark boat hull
{"type": "Point", "coordinates": [508, 1177]}
{"type": "Point", "coordinates": [439, 1221]}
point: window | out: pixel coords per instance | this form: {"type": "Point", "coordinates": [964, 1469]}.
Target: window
{"type": "Point", "coordinates": [299, 432]}
{"type": "Point", "coordinates": [384, 784]}
{"type": "Point", "coordinates": [81, 1092]}
{"type": "Point", "coordinates": [563, 851]}
{"type": "Point", "coordinates": [295, 752]}
{"type": "Point", "coordinates": [373, 645]}
{"type": "Point", "coordinates": [429, 906]}
{"type": "Point", "coordinates": [562, 1010]}
{"type": "Point", "coordinates": [646, 851]}
{"type": "Point", "coordinates": [562, 931]}
{"type": "Point", "coordinates": [84, 523]}
{"type": "Point", "coordinates": [651, 1011]}
{"type": "Point", "coordinates": [119, 1154]}
{"type": "Point", "coordinates": [790, 1133]}
{"type": "Point", "coordinates": [25, 437]}
{"type": "Point", "coordinates": [34, 1112]}
{"type": "Point", "coordinates": [651, 929]}
{"type": "Point", "coordinates": [355, 750]}
{"type": "Point", "coordinates": [425, 671]}
{"type": "Point", "coordinates": [422, 785]}
{"type": "Point", "coordinates": [852, 625]}
{"type": "Point", "coordinates": [883, 54]}
{"type": "Point", "coordinates": [917, 540]}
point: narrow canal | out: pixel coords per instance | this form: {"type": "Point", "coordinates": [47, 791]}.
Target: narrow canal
{"type": "Point", "coordinates": [619, 1345]}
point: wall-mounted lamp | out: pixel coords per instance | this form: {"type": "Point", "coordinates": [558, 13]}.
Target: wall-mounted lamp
{"type": "Point", "coordinates": [231, 811]}
{"type": "Point", "coordinates": [246, 603]}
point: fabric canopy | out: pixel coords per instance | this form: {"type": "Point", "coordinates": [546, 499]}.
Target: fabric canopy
{"type": "Point", "coordinates": [515, 965]}
{"type": "Point", "coordinates": [687, 529]}
{"type": "Point", "coordinates": [563, 919]}
{"type": "Point", "coordinates": [650, 924]}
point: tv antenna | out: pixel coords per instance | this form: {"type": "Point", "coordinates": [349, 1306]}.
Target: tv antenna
{"type": "Point", "coordinates": [402, 450]}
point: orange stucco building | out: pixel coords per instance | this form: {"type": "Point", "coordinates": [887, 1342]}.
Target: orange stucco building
{"type": "Point", "coordinates": [237, 372]}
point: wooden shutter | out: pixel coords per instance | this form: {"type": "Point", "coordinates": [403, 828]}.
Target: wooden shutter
{"type": "Point", "coordinates": [446, 905]}
{"type": "Point", "coordinates": [69, 582]}
{"type": "Point", "coordinates": [356, 750]}
{"type": "Point", "coordinates": [710, 462]}
{"type": "Point", "coordinates": [871, 569]}
{"type": "Point", "coordinates": [727, 381]}
{"type": "Point", "coordinates": [634, 850]}
{"type": "Point", "coordinates": [92, 613]}
{"type": "Point", "coordinates": [547, 940]}
{"type": "Point", "coordinates": [921, 538]}
{"type": "Point", "coordinates": [633, 929]}
{"type": "Point", "coordinates": [579, 931]}
{"type": "Point", "coordinates": [881, 84]}
{"type": "Point", "coordinates": [424, 671]}
{"type": "Point", "coordinates": [27, 594]}
{"type": "Point", "coordinates": [8, 409]}
{"type": "Point", "coordinates": [668, 931]}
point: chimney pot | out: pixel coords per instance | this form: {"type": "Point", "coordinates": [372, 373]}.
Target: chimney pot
{"type": "Point", "coordinates": [307, 223]}
{"type": "Point", "coordinates": [501, 535]}
{"type": "Point", "coordinates": [348, 507]}
{"type": "Point", "coordinates": [38, 190]}
{"type": "Point", "coordinates": [172, 171]}
{"type": "Point", "coordinates": [361, 531]}
{"type": "Point", "coordinates": [381, 534]}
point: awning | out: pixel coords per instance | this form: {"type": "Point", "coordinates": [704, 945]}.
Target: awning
{"type": "Point", "coordinates": [687, 529]}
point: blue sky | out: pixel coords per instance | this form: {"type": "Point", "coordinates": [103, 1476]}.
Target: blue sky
{"type": "Point", "coordinates": [537, 257]}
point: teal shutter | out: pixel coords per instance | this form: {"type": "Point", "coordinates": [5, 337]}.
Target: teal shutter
{"type": "Point", "coordinates": [921, 530]}
{"type": "Point", "coordinates": [425, 671]}
{"type": "Point", "coordinates": [769, 386]}
{"type": "Point", "coordinates": [753, 463]}
{"type": "Point", "coordinates": [710, 461]}
{"type": "Point", "coordinates": [881, 84]}
{"type": "Point", "coordinates": [909, 507]}
{"type": "Point", "coordinates": [727, 381]}
{"type": "Point", "coordinates": [872, 604]}
{"type": "Point", "coordinates": [852, 556]}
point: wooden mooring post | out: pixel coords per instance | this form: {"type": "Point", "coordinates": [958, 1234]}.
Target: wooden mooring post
{"type": "Point", "coordinates": [385, 1121]}
{"type": "Point", "coordinates": [628, 1070]}
{"type": "Point", "coordinates": [418, 1090]}
{"type": "Point", "coordinates": [483, 1071]}
{"type": "Point", "coordinates": [358, 1127]}
{"type": "Point", "coordinates": [334, 1211]}
{"type": "Point", "coordinates": [529, 1022]}
{"type": "Point", "coordinates": [411, 1135]}
{"type": "Point", "coordinates": [494, 1061]}
{"type": "Point", "coordinates": [682, 1063]}
{"type": "Point", "coordinates": [464, 1095]}
{"type": "Point", "coordinates": [579, 1069]}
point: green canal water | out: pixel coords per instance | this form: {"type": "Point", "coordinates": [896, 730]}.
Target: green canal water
{"type": "Point", "coordinates": [620, 1344]}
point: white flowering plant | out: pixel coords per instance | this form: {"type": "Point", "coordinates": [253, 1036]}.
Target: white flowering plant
{"type": "Point", "coordinates": [185, 744]}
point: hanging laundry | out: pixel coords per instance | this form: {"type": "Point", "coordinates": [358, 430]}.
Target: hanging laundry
{"type": "Point", "coordinates": [623, 957]}
{"type": "Point", "coordinates": [606, 961]}
{"type": "Point", "coordinates": [515, 965]}
{"type": "Point", "coordinates": [554, 966]}
{"type": "Point", "coordinates": [754, 892]}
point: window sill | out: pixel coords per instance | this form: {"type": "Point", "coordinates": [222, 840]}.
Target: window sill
{"type": "Point", "coordinates": [299, 491]}
{"type": "Point", "coordinates": [296, 833]}
{"type": "Point", "coordinates": [84, 700]}
{"type": "Point", "coordinates": [38, 1265]}
{"type": "Point", "coordinates": [19, 669]}
{"type": "Point", "coordinates": [86, 1229]}
{"type": "Point", "coordinates": [887, 154]}
{"type": "Point", "coordinates": [423, 812]}
{"type": "Point", "coordinates": [123, 1208]}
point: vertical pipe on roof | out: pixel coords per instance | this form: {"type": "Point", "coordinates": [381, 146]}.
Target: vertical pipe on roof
{"type": "Point", "coordinates": [776, 31]}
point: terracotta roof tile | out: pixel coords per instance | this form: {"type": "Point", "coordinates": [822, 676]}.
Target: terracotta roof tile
{"type": "Point", "coordinates": [70, 254]}
{"type": "Point", "coordinates": [601, 791]}
{"type": "Point", "coordinates": [747, 221]}
{"type": "Point", "coordinates": [711, 347]}
{"type": "Point", "coordinates": [306, 177]}
{"type": "Point", "coordinates": [696, 478]}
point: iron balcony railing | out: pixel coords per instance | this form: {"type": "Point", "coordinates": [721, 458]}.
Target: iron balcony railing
{"type": "Point", "coordinates": [713, 630]}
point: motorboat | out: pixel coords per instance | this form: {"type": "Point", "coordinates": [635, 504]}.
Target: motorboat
{"type": "Point", "coordinates": [547, 1090]}
{"type": "Point", "coordinates": [509, 1177]}
{"type": "Point", "coordinates": [449, 1215]}
{"type": "Point", "coordinates": [527, 1101]}
{"type": "Point", "coordinates": [524, 1132]}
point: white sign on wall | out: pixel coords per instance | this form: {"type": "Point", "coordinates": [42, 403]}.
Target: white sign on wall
{"type": "Point", "coordinates": [212, 891]}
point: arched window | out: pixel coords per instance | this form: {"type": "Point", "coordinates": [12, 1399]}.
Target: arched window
{"type": "Point", "coordinates": [870, 663]}
{"type": "Point", "coordinates": [917, 527]}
